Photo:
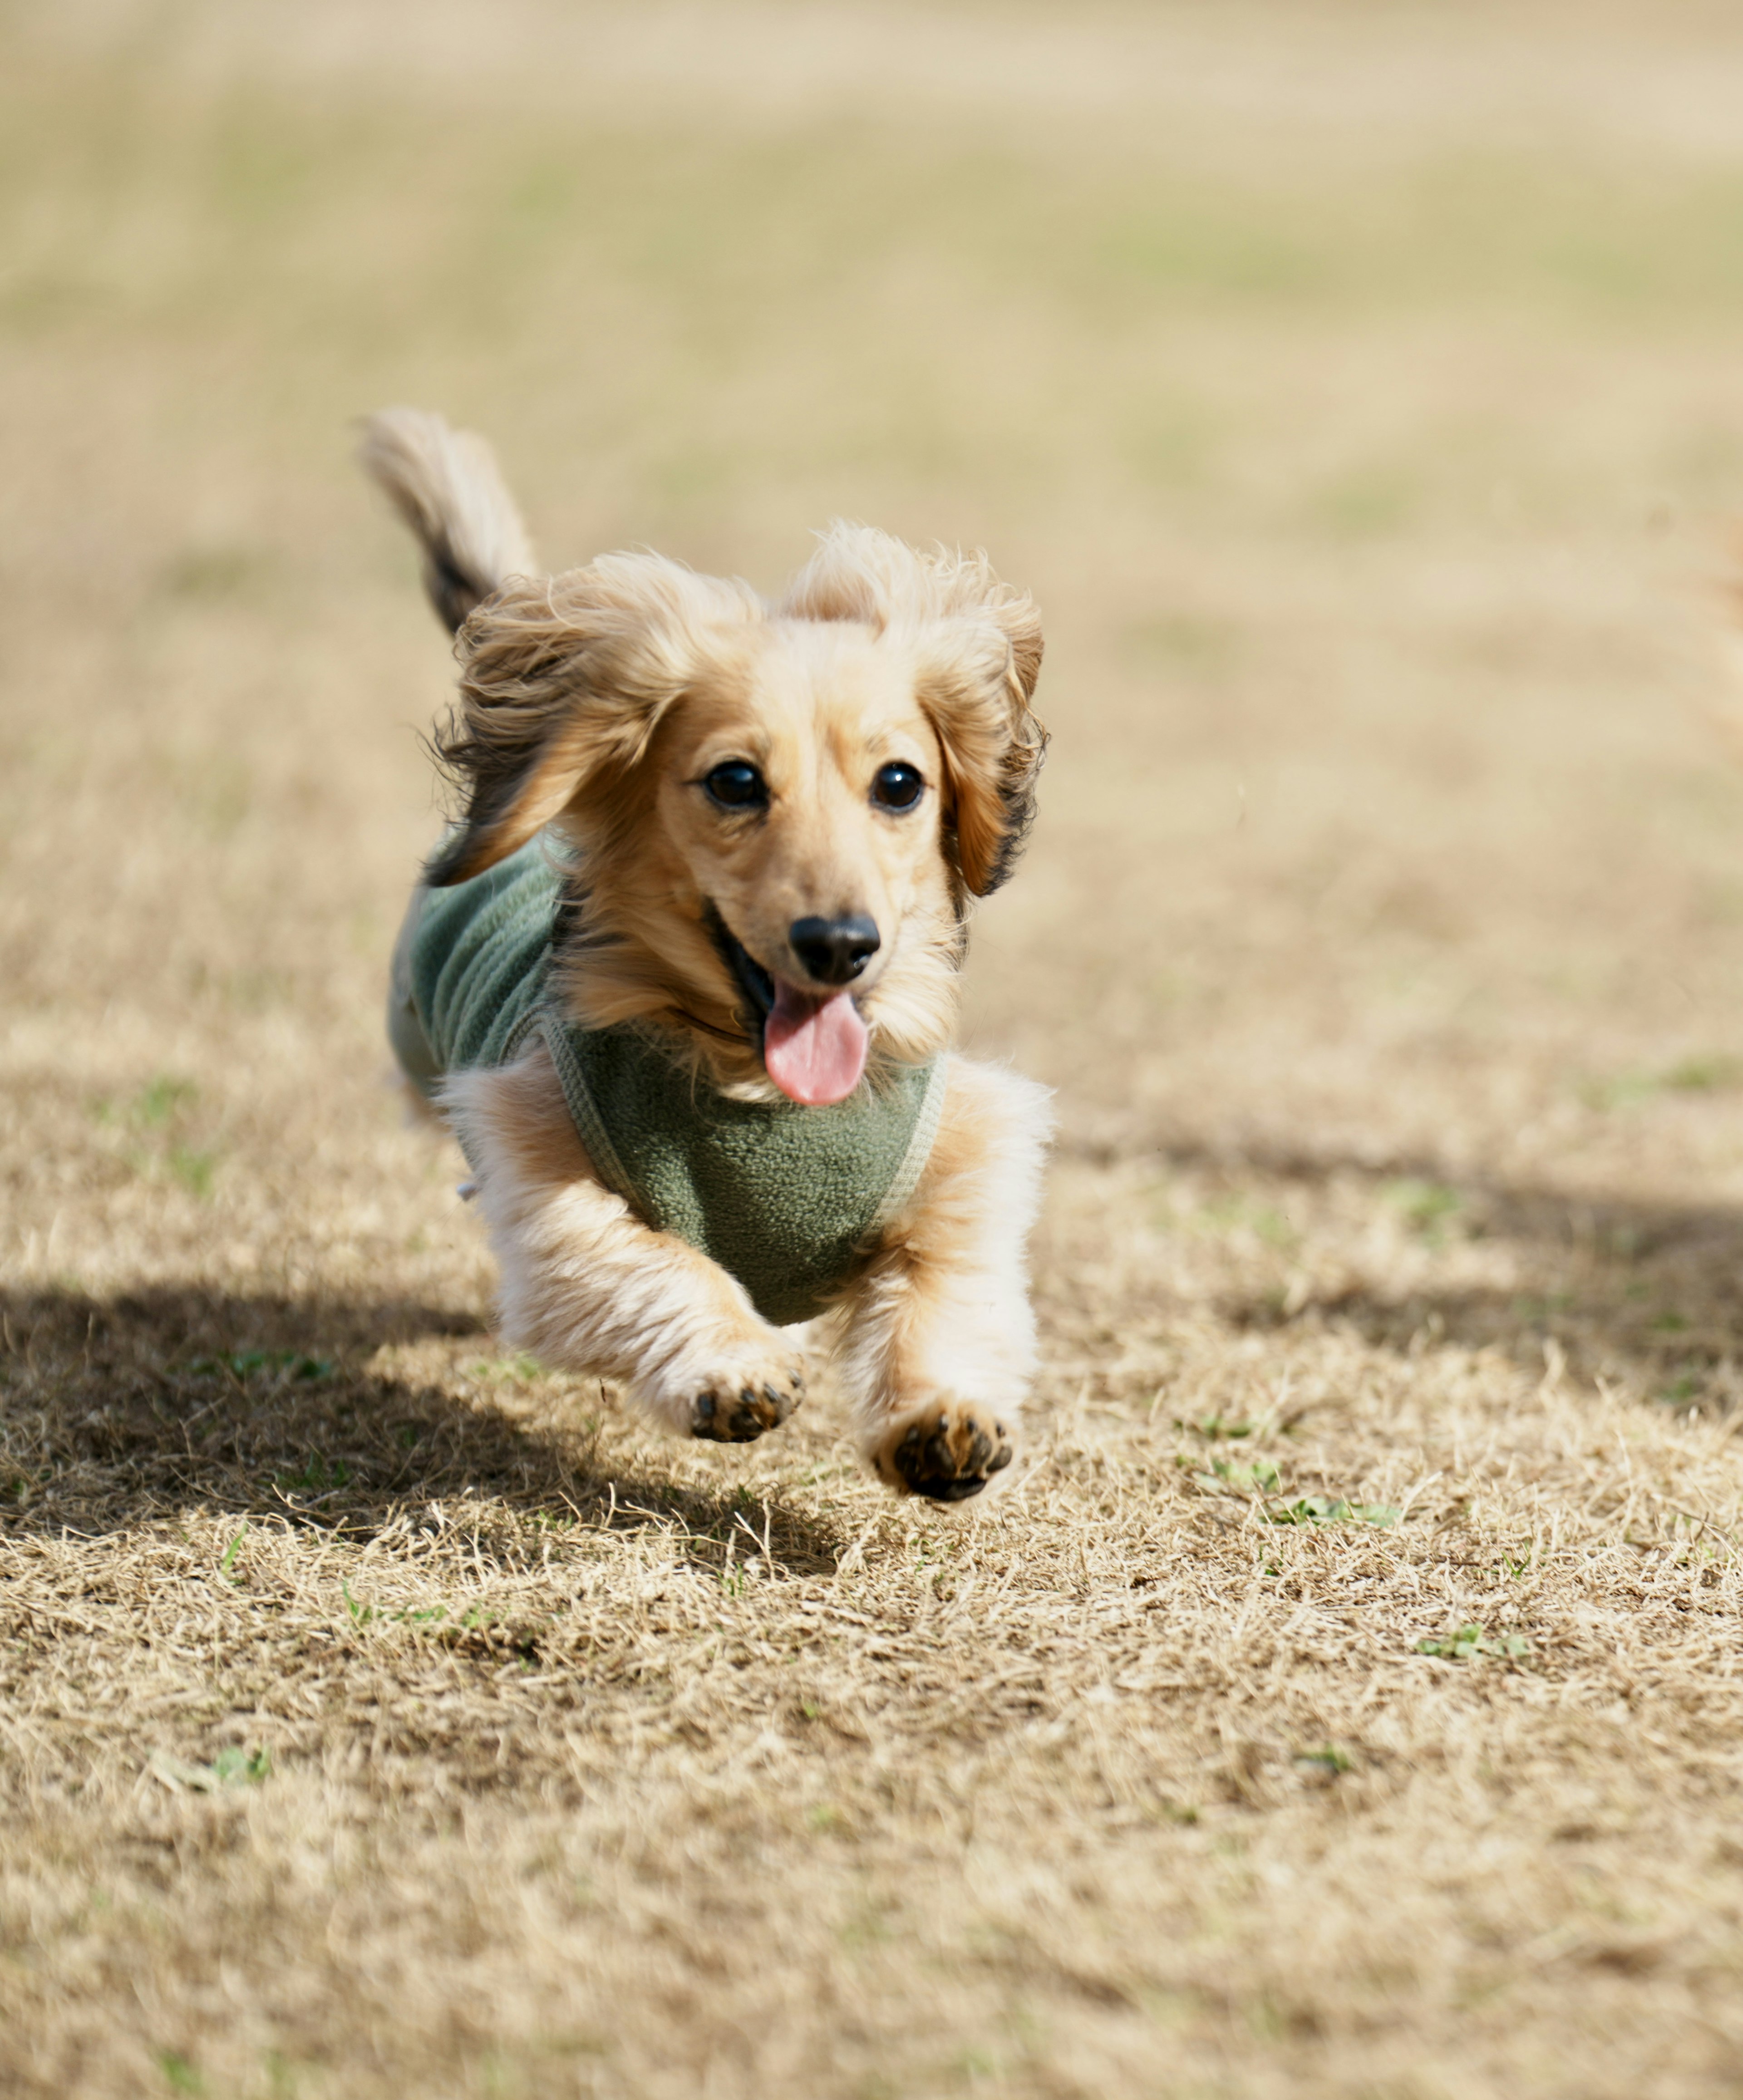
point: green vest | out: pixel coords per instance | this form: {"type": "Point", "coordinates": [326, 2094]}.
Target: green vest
{"type": "Point", "coordinates": [786, 1198]}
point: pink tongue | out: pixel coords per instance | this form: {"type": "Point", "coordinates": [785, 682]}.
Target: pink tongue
{"type": "Point", "coordinates": [815, 1049]}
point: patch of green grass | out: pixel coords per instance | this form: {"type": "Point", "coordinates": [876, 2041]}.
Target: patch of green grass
{"type": "Point", "coordinates": [1428, 1207]}
{"type": "Point", "coordinates": [1328, 1759]}
{"type": "Point", "coordinates": [281, 2075]}
{"type": "Point", "coordinates": [319, 1477]}
{"type": "Point", "coordinates": [1471, 1643]}
{"type": "Point", "coordinates": [178, 2073]}
{"type": "Point", "coordinates": [235, 1767]}
{"type": "Point", "coordinates": [974, 2064]}
{"type": "Point", "coordinates": [194, 1170]}
{"type": "Point", "coordinates": [1216, 1426]}
{"type": "Point", "coordinates": [231, 1768]}
{"type": "Point", "coordinates": [1703, 1075]}
{"type": "Point", "coordinates": [1258, 1476]}
{"type": "Point", "coordinates": [285, 1366]}
{"type": "Point", "coordinates": [1543, 1308]}
{"type": "Point", "coordinates": [521, 1369]}
{"type": "Point", "coordinates": [1711, 1072]}
{"type": "Point", "coordinates": [160, 1099]}
{"type": "Point", "coordinates": [1617, 1090]}
{"type": "Point", "coordinates": [158, 1102]}
{"type": "Point", "coordinates": [1332, 1509]}
{"type": "Point", "coordinates": [499, 2076]}
{"type": "Point", "coordinates": [158, 1114]}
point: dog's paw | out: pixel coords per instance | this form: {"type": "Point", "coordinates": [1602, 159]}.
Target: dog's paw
{"type": "Point", "coordinates": [729, 1387]}
{"type": "Point", "coordinates": [737, 1406]}
{"type": "Point", "coordinates": [947, 1451]}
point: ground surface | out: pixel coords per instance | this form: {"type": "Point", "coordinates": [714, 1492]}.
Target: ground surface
{"type": "Point", "coordinates": [1362, 395]}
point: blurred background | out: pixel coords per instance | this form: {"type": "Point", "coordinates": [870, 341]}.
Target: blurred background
{"type": "Point", "coordinates": [1357, 388]}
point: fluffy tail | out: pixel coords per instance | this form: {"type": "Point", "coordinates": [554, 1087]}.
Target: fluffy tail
{"type": "Point", "coordinates": [447, 485]}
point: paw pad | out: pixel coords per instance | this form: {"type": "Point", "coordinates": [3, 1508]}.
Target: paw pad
{"type": "Point", "coordinates": [740, 1415]}
{"type": "Point", "coordinates": [949, 1456]}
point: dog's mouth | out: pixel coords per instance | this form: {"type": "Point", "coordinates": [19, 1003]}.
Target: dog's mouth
{"type": "Point", "coordinates": [814, 1048]}
{"type": "Point", "coordinates": [756, 983]}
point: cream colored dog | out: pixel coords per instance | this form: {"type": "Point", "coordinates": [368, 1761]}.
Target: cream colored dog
{"type": "Point", "coordinates": [763, 826]}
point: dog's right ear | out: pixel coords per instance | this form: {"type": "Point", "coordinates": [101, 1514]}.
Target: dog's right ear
{"type": "Point", "coordinates": [564, 682]}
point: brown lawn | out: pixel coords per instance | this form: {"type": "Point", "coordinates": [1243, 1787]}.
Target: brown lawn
{"type": "Point", "coordinates": [1347, 1699]}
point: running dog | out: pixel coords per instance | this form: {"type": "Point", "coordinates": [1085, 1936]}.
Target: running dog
{"type": "Point", "coordinates": [683, 977]}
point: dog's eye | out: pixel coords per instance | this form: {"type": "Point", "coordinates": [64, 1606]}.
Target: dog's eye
{"type": "Point", "coordinates": [897, 787]}
{"type": "Point", "coordinates": [738, 785]}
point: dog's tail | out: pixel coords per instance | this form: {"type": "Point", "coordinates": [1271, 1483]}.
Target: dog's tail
{"type": "Point", "coordinates": [446, 485]}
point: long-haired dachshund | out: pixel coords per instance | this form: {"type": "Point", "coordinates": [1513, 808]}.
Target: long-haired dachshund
{"type": "Point", "coordinates": [683, 978]}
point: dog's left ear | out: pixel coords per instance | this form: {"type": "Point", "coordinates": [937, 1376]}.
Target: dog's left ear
{"type": "Point", "coordinates": [977, 684]}
{"type": "Point", "coordinates": [563, 683]}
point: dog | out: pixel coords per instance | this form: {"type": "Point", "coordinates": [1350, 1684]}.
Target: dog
{"type": "Point", "coordinates": [683, 976]}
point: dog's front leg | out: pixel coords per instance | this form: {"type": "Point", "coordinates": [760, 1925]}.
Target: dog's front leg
{"type": "Point", "coordinates": [939, 1345]}
{"type": "Point", "coordinates": [587, 1287]}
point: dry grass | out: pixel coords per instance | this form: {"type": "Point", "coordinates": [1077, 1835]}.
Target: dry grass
{"type": "Point", "coordinates": [1360, 392]}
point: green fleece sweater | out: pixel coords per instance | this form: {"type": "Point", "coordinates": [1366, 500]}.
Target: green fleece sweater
{"type": "Point", "coordinates": [786, 1198]}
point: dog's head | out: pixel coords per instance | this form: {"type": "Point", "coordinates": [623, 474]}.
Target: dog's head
{"type": "Point", "coordinates": [782, 811]}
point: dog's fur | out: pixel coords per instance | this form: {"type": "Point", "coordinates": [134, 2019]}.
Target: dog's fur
{"type": "Point", "coordinates": [596, 702]}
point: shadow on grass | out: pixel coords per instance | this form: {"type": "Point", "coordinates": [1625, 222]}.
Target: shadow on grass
{"type": "Point", "coordinates": [1644, 1290]}
{"type": "Point", "coordinates": [119, 1412]}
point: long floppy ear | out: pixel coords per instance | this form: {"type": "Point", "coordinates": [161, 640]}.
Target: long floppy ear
{"type": "Point", "coordinates": [977, 685]}
{"type": "Point", "coordinates": [566, 680]}
{"type": "Point", "coordinates": [978, 645]}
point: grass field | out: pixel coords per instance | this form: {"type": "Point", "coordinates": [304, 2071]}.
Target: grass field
{"type": "Point", "coordinates": [1348, 1699]}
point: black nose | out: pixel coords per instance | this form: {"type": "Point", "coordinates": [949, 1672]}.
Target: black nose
{"type": "Point", "coordinates": [834, 950]}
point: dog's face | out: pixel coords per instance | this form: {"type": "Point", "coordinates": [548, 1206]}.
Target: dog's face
{"type": "Point", "coordinates": [800, 788]}
{"type": "Point", "coordinates": [802, 782]}
{"type": "Point", "coordinates": [782, 813]}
